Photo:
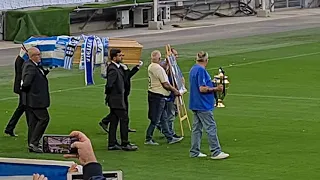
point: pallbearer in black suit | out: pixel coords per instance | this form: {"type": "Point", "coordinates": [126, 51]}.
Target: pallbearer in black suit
{"type": "Point", "coordinates": [16, 89]}
{"type": "Point", "coordinates": [115, 99]}
{"type": "Point", "coordinates": [35, 98]}
{"type": "Point", "coordinates": [128, 75]}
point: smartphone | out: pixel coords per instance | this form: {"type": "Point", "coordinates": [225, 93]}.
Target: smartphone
{"type": "Point", "coordinates": [58, 144]}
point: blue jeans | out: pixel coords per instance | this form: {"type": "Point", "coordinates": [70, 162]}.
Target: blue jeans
{"type": "Point", "coordinates": [171, 115]}
{"type": "Point", "coordinates": [204, 119]}
{"type": "Point", "coordinates": [157, 115]}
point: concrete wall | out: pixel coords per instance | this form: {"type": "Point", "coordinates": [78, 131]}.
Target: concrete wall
{"type": "Point", "coordinates": [91, 26]}
{"type": "Point", "coordinates": [223, 7]}
{"type": "Point", "coordinates": [107, 18]}
{"type": "Point", "coordinates": [311, 3]}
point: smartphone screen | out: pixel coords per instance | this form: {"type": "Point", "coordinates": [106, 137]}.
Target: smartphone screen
{"type": "Point", "coordinates": [58, 144]}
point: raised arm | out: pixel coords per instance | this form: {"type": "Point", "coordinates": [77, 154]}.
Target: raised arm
{"type": "Point", "coordinates": [28, 73]}
{"type": "Point", "coordinates": [133, 71]}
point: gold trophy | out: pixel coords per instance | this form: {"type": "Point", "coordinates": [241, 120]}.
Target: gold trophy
{"type": "Point", "coordinates": [221, 78]}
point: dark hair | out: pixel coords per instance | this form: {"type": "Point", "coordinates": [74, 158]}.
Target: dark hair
{"type": "Point", "coordinates": [114, 53]}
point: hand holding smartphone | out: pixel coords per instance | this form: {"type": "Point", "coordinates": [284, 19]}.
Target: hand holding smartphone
{"type": "Point", "coordinates": [58, 144]}
{"type": "Point", "coordinates": [85, 151]}
{"type": "Point", "coordinates": [76, 145]}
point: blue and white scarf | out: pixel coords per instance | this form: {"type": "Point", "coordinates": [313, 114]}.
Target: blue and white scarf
{"type": "Point", "coordinates": [88, 60]}
{"type": "Point", "coordinates": [70, 50]}
{"type": "Point", "coordinates": [59, 51]}
{"type": "Point", "coordinates": [81, 63]}
{"type": "Point", "coordinates": [99, 50]}
{"type": "Point", "coordinates": [105, 42]}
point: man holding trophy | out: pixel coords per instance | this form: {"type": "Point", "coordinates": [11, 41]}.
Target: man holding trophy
{"type": "Point", "coordinates": [202, 105]}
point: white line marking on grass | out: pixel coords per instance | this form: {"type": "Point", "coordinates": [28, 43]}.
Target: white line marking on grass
{"type": "Point", "coordinates": [229, 66]}
{"type": "Point", "coordinates": [260, 96]}
{"type": "Point", "coordinates": [279, 97]}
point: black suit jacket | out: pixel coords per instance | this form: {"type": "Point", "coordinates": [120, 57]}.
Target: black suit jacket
{"type": "Point", "coordinates": [18, 74]}
{"type": "Point", "coordinates": [35, 87]}
{"type": "Point", "coordinates": [128, 75]}
{"type": "Point", "coordinates": [115, 87]}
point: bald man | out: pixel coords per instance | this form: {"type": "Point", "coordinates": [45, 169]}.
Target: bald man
{"type": "Point", "coordinates": [35, 98]}
{"type": "Point", "coordinates": [158, 92]}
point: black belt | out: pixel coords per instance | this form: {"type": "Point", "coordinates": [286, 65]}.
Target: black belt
{"type": "Point", "coordinates": [157, 94]}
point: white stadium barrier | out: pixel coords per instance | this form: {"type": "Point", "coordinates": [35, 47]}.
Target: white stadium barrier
{"type": "Point", "coordinates": [23, 169]}
{"type": "Point", "coordinates": [18, 4]}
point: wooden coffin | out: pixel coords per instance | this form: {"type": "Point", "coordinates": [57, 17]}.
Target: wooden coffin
{"type": "Point", "coordinates": [131, 49]}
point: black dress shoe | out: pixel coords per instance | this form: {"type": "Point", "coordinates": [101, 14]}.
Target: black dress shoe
{"type": "Point", "coordinates": [132, 130]}
{"type": "Point", "coordinates": [10, 133]}
{"type": "Point", "coordinates": [104, 127]}
{"type": "Point", "coordinates": [115, 147]}
{"type": "Point", "coordinates": [130, 147]}
{"type": "Point", "coordinates": [35, 149]}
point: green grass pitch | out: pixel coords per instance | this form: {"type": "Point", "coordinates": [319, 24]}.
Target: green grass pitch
{"type": "Point", "coordinates": [270, 126]}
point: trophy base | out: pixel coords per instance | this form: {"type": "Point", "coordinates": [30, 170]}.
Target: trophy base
{"type": "Point", "coordinates": [220, 105]}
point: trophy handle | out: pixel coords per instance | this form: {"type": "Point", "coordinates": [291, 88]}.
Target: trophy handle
{"type": "Point", "coordinates": [215, 94]}
{"type": "Point", "coordinates": [222, 80]}
{"type": "Point", "coordinates": [219, 102]}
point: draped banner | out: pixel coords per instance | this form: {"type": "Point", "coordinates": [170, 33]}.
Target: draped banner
{"type": "Point", "coordinates": [56, 51]}
{"type": "Point", "coordinates": [59, 51]}
{"type": "Point", "coordinates": [23, 169]}
{"type": "Point", "coordinates": [12, 168]}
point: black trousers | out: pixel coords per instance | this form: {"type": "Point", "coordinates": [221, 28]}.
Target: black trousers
{"type": "Point", "coordinates": [16, 116]}
{"type": "Point", "coordinates": [116, 116]}
{"type": "Point", "coordinates": [38, 120]}
{"type": "Point", "coordinates": [106, 120]}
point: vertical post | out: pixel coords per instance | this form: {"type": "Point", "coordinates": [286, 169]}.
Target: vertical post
{"type": "Point", "coordinates": [263, 2]}
{"type": "Point", "coordinates": [1, 26]}
{"type": "Point", "coordinates": [155, 10]}
{"type": "Point", "coordinates": [302, 3]}
{"type": "Point", "coordinates": [272, 5]}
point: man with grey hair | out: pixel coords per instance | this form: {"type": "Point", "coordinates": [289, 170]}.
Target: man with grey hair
{"type": "Point", "coordinates": [201, 103]}
{"type": "Point", "coordinates": [158, 91]}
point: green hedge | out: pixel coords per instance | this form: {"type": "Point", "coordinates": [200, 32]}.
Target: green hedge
{"type": "Point", "coordinates": [20, 25]}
